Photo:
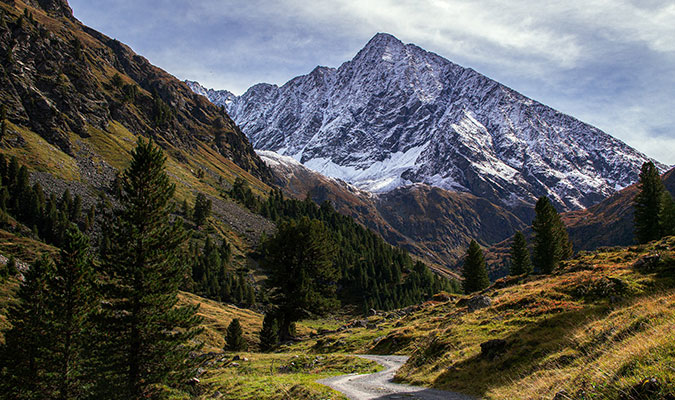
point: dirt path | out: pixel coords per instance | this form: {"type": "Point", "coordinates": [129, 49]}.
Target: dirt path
{"type": "Point", "coordinates": [380, 386]}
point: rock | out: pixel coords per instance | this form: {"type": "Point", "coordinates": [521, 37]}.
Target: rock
{"type": "Point", "coordinates": [493, 348]}
{"type": "Point", "coordinates": [362, 323]}
{"type": "Point", "coordinates": [216, 395]}
{"type": "Point", "coordinates": [373, 312]}
{"type": "Point", "coordinates": [478, 302]}
{"type": "Point", "coordinates": [236, 358]}
{"type": "Point", "coordinates": [234, 364]}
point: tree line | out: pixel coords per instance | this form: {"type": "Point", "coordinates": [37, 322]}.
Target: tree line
{"type": "Point", "coordinates": [551, 245]}
{"type": "Point", "coordinates": [47, 216]}
{"type": "Point", "coordinates": [370, 273]}
{"type": "Point", "coordinates": [108, 327]}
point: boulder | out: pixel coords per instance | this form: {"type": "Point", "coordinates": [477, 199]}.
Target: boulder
{"type": "Point", "coordinates": [478, 302]}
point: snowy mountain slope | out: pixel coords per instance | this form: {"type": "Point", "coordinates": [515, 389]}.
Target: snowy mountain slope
{"type": "Point", "coordinates": [396, 114]}
{"type": "Point", "coordinates": [218, 97]}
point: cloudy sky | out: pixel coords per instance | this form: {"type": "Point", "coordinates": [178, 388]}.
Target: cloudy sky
{"type": "Point", "coordinates": [610, 63]}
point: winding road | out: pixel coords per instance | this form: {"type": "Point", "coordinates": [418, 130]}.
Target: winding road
{"type": "Point", "coordinates": [380, 386]}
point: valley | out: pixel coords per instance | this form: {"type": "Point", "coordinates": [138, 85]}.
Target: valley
{"type": "Point", "coordinates": [399, 226]}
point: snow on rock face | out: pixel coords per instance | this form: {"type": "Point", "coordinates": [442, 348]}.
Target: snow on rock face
{"type": "Point", "coordinates": [397, 114]}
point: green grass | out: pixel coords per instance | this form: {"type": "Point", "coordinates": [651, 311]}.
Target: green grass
{"type": "Point", "coordinates": [40, 155]}
{"type": "Point", "coordinates": [282, 376]}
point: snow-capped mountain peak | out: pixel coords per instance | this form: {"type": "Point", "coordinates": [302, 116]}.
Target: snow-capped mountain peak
{"type": "Point", "coordinates": [396, 114]}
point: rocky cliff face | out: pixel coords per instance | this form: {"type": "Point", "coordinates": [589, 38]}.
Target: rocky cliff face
{"type": "Point", "coordinates": [62, 80]}
{"type": "Point", "coordinates": [396, 115]}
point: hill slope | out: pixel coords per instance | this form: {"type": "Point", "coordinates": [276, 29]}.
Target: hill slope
{"type": "Point", "coordinates": [433, 224]}
{"type": "Point", "coordinates": [77, 101]}
{"type": "Point", "coordinates": [66, 82]}
{"type": "Point", "coordinates": [599, 328]}
{"type": "Point", "coordinates": [608, 223]}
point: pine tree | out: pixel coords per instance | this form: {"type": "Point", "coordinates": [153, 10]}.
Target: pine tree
{"type": "Point", "coordinates": [22, 357]}
{"type": "Point", "coordinates": [3, 122]}
{"type": "Point", "coordinates": [647, 204]}
{"type": "Point", "coordinates": [475, 272]}
{"type": "Point", "coordinates": [202, 209]}
{"type": "Point", "coordinates": [234, 339]}
{"type": "Point", "coordinates": [71, 303]}
{"type": "Point", "coordinates": [269, 335]}
{"type": "Point", "coordinates": [185, 210]}
{"type": "Point", "coordinates": [667, 214]}
{"type": "Point", "coordinates": [302, 250]}
{"type": "Point", "coordinates": [551, 241]}
{"type": "Point", "coordinates": [11, 266]}
{"type": "Point", "coordinates": [145, 337]}
{"type": "Point", "coordinates": [520, 255]}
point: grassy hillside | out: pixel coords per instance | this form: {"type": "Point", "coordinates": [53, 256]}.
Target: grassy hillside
{"type": "Point", "coordinates": [76, 101]}
{"type": "Point", "coordinates": [596, 329]}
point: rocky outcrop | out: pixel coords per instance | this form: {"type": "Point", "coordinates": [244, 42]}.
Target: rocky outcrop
{"type": "Point", "coordinates": [58, 8]}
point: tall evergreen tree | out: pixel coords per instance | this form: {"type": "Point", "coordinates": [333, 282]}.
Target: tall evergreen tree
{"type": "Point", "coordinates": [475, 272]}
{"type": "Point", "coordinates": [269, 334]}
{"type": "Point", "coordinates": [23, 356]}
{"type": "Point", "coordinates": [202, 209]}
{"type": "Point", "coordinates": [234, 338]}
{"type": "Point", "coordinates": [3, 122]}
{"type": "Point", "coordinates": [551, 240]}
{"type": "Point", "coordinates": [72, 301]}
{"type": "Point", "coordinates": [667, 214]}
{"type": "Point", "coordinates": [301, 250]}
{"type": "Point", "coordinates": [647, 204]}
{"type": "Point", "coordinates": [144, 335]}
{"type": "Point", "coordinates": [520, 255]}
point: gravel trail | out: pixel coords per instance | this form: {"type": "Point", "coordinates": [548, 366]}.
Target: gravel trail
{"type": "Point", "coordinates": [380, 386]}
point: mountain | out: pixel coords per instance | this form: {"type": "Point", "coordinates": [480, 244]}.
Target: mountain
{"type": "Point", "coordinates": [434, 224]}
{"type": "Point", "coordinates": [76, 102]}
{"type": "Point", "coordinates": [397, 114]}
{"type": "Point", "coordinates": [63, 81]}
{"type": "Point", "coordinates": [218, 97]}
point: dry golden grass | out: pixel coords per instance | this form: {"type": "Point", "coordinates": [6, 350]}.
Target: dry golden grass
{"type": "Point", "coordinates": [217, 316]}
{"type": "Point", "coordinates": [596, 329]}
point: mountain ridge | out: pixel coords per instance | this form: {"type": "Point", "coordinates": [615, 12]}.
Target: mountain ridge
{"type": "Point", "coordinates": [396, 114]}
